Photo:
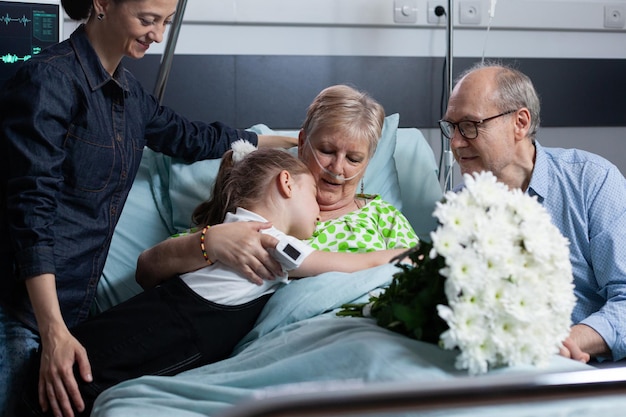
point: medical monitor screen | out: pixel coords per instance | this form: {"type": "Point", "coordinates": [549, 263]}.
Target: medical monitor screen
{"type": "Point", "coordinates": [26, 28]}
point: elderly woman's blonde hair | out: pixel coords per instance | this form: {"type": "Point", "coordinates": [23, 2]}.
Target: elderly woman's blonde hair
{"type": "Point", "coordinates": [341, 108]}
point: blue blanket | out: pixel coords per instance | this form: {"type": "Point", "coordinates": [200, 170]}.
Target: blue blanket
{"type": "Point", "coordinates": [299, 345]}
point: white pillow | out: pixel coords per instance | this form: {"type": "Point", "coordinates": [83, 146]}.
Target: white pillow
{"type": "Point", "coordinates": [381, 176]}
{"type": "Point", "coordinates": [190, 184]}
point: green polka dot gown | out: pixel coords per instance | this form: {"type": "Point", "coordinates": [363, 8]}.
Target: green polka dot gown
{"type": "Point", "coordinates": [377, 225]}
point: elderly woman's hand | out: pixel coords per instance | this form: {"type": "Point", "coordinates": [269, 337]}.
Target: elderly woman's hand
{"type": "Point", "coordinates": [239, 245]}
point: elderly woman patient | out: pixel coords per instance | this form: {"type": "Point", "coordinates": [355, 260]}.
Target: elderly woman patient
{"type": "Point", "coordinates": [337, 140]}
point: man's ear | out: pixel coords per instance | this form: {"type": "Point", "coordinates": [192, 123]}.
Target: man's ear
{"type": "Point", "coordinates": [522, 123]}
{"type": "Point", "coordinates": [284, 183]}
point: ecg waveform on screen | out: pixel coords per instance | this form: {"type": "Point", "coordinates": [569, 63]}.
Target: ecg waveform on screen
{"type": "Point", "coordinates": [26, 29]}
{"type": "Point", "coordinates": [6, 19]}
{"type": "Point", "coordinates": [12, 59]}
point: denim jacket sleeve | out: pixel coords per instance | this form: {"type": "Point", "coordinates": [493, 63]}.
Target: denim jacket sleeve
{"type": "Point", "coordinates": [36, 108]}
{"type": "Point", "coordinates": [172, 134]}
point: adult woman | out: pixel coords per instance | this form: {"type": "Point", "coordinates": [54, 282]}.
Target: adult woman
{"type": "Point", "coordinates": [337, 140]}
{"type": "Point", "coordinates": [74, 125]}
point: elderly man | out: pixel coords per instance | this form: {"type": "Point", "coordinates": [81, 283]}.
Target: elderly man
{"type": "Point", "coordinates": [491, 121]}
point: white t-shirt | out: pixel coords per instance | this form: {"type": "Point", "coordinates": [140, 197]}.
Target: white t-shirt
{"type": "Point", "coordinates": [223, 285]}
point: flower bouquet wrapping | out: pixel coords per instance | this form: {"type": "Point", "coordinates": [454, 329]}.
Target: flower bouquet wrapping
{"type": "Point", "coordinates": [495, 283]}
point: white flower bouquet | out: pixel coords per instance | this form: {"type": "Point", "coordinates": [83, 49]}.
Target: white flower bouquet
{"type": "Point", "coordinates": [496, 282]}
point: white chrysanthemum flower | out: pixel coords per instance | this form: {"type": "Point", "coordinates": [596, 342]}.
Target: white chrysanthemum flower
{"type": "Point", "coordinates": [241, 148]}
{"type": "Point", "coordinates": [469, 272]}
{"type": "Point", "coordinates": [447, 242]}
{"type": "Point", "coordinates": [455, 217]}
{"type": "Point", "coordinates": [521, 303]}
{"type": "Point", "coordinates": [505, 262]}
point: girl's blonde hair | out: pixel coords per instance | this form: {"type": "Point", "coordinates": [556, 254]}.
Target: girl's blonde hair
{"type": "Point", "coordinates": [244, 184]}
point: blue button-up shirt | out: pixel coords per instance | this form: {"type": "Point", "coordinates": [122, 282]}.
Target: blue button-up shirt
{"type": "Point", "coordinates": [71, 143]}
{"type": "Point", "coordinates": [586, 198]}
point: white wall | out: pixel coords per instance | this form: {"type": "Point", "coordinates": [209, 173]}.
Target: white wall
{"type": "Point", "coordinates": [519, 29]}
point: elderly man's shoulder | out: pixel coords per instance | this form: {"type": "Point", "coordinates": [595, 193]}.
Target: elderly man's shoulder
{"type": "Point", "coordinates": [577, 157]}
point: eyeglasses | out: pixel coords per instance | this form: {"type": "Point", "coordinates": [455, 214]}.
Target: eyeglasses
{"type": "Point", "coordinates": [467, 128]}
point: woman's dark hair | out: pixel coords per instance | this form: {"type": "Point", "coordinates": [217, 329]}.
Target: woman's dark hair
{"type": "Point", "coordinates": [80, 9]}
{"type": "Point", "coordinates": [77, 9]}
{"type": "Point", "coordinates": [244, 183]}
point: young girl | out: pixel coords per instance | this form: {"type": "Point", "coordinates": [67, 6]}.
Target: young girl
{"type": "Point", "coordinates": [199, 317]}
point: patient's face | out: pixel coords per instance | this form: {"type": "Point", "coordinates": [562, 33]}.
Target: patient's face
{"type": "Point", "coordinates": [338, 163]}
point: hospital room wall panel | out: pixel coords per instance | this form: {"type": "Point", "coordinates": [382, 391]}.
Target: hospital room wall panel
{"type": "Point", "coordinates": [248, 61]}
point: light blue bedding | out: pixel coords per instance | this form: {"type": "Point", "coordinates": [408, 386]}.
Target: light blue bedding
{"type": "Point", "coordinates": [299, 345]}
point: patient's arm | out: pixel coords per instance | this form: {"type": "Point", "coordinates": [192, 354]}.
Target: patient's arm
{"type": "Point", "coordinates": [277, 141]}
{"type": "Point", "coordinates": [319, 262]}
{"type": "Point", "coordinates": [239, 245]}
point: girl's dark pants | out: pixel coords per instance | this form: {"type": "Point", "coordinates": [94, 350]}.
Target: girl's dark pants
{"type": "Point", "coordinates": [162, 331]}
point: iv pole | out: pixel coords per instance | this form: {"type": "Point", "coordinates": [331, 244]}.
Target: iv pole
{"type": "Point", "coordinates": [168, 54]}
{"type": "Point", "coordinates": [447, 152]}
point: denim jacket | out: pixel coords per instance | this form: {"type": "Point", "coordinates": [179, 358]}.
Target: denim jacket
{"type": "Point", "coordinates": [71, 142]}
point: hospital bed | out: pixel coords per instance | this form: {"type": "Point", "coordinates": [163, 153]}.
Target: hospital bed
{"type": "Point", "coordinates": [301, 358]}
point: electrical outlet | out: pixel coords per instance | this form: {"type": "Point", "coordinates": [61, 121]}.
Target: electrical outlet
{"type": "Point", "coordinates": [405, 11]}
{"type": "Point", "coordinates": [614, 16]}
{"type": "Point", "coordinates": [432, 15]}
{"type": "Point", "coordinates": [469, 12]}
